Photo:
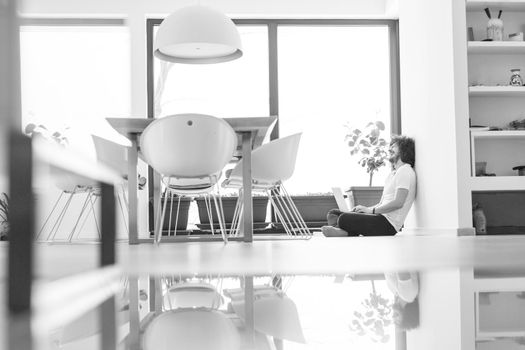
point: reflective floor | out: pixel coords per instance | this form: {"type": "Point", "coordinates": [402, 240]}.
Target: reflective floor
{"type": "Point", "coordinates": [337, 293]}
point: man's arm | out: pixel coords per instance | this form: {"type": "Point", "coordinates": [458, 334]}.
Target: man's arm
{"type": "Point", "coordinates": [382, 208]}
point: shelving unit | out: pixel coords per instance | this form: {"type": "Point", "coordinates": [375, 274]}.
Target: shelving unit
{"type": "Point", "coordinates": [508, 5]}
{"type": "Point", "coordinates": [494, 103]}
{"type": "Point", "coordinates": [500, 134]}
{"type": "Point", "coordinates": [495, 91]}
{"type": "Point", "coordinates": [496, 47]}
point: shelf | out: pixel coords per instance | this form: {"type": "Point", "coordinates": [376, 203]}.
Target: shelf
{"type": "Point", "coordinates": [497, 183]}
{"type": "Point", "coordinates": [496, 47]}
{"type": "Point", "coordinates": [507, 5]}
{"type": "Point", "coordinates": [508, 91]}
{"type": "Point", "coordinates": [501, 134]}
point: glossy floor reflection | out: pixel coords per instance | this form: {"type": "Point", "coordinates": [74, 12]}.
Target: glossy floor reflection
{"type": "Point", "coordinates": [461, 292]}
{"type": "Point", "coordinates": [359, 311]}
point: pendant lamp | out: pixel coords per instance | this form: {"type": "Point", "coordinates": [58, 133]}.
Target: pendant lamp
{"type": "Point", "coordinates": [197, 35]}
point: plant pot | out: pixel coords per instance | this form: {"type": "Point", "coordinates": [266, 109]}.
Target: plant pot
{"type": "Point", "coordinates": [364, 195]}
{"type": "Point", "coordinates": [182, 222]}
{"type": "Point", "coordinates": [260, 205]}
{"type": "Point", "coordinates": [313, 209]}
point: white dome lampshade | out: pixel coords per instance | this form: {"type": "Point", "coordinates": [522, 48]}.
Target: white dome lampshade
{"type": "Point", "coordinates": [197, 35]}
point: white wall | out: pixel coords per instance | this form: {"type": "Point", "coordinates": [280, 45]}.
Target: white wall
{"type": "Point", "coordinates": [434, 110]}
{"type": "Point", "coordinates": [446, 311]}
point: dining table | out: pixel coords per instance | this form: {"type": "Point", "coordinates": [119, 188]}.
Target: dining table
{"type": "Point", "coordinates": [251, 133]}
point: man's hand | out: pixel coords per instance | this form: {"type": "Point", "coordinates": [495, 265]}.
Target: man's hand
{"type": "Point", "coordinates": [362, 209]}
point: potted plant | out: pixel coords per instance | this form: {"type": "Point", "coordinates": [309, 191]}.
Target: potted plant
{"type": "Point", "coordinates": [372, 148]}
{"type": "Point", "coordinates": [182, 222]}
{"type": "Point", "coordinates": [259, 205]}
{"type": "Point", "coordinates": [314, 206]}
{"type": "Point", "coordinates": [374, 318]}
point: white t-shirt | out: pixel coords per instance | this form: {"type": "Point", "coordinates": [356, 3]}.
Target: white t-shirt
{"type": "Point", "coordinates": [404, 177]}
{"type": "Point", "coordinates": [406, 289]}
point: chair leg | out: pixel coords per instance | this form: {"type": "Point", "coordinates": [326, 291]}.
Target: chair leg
{"type": "Point", "coordinates": [177, 216]}
{"type": "Point", "coordinates": [278, 212]}
{"type": "Point", "coordinates": [158, 231]}
{"type": "Point", "coordinates": [171, 214]}
{"type": "Point", "coordinates": [49, 216]}
{"type": "Point", "coordinates": [92, 211]}
{"type": "Point", "coordinates": [122, 203]}
{"type": "Point", "coordinates": [207, 201]}
{"type": "Point", "coordinates": [236, 216]}
{"type": "Point", "coordinates": [54, 229]}
{"type": "Point", "coordinates": [220, 217]}
{"type": "Point", "coordinates": [287, 212]}
{"type": "Point", "coordinates": [82, 211]}
{"type": "Point", "coordinates": [303, 228]}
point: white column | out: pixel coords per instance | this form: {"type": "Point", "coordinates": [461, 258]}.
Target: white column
{"type": "Point", "coordinates": [446, 311]}
{"type": "Point", "coordinates": [434, 110]}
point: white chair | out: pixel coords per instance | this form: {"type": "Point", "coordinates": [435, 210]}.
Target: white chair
{"type": "Point", "coordinates": [272, 164]}
{"type": "Point", "coordinates": [192, 295]}
{"type": "Point", "coordinates": [115, 156]}
{"type": "Point", "coordinates": [274, 313]}
{"type": "Point", "coordinates": [70, 186]}
{"type": "Point", "coordinates": [191, 328]}
{"type": "Point", "coordinates": [112, 155]}
{"type": "Point", "coordinates": [189, 151]}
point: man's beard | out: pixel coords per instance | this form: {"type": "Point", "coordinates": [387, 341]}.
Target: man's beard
{"type": "Point", "coordinates": [394, 159]}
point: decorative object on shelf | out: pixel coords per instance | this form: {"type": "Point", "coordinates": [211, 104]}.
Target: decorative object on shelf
{"type": "Point", "coordinates": [479, 218]}
{"type": "Point", "coordinates": [481, 168]}
{"type": "Point", "coordinates": [494, 26]}
{"type": "Point", "coordinates": [197, 35]}
{"type": "Point", "coordinates": [517, 124]}
{"type": "Point", "coordinates": [520, 169]}
{"type": "Point", "coordinates": [369, 144]}
{"type": "Point", "coordinates": [470, 34]}
{"type": "Point", "coordinates": [479, 128]}
{"type": "Point", "coordinates": [516, 36]}
{"type": "Point", "coordinates": [4, 216]}
{"type": "Point", "coordinates": [515, 78]}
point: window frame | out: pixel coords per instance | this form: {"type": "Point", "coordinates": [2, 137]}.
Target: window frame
{"type": "Point", "coordinates": [273, 76]}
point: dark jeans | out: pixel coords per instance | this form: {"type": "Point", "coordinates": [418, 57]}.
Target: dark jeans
{"type": "Point", "coordinates": [357, 224]}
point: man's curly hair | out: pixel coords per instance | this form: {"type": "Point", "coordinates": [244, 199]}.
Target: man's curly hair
{"type": "Point", "coordinates": [407, 148]}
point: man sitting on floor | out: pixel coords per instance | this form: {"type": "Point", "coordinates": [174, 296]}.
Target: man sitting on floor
{"type": "Point", "coordinates": [387, 217]}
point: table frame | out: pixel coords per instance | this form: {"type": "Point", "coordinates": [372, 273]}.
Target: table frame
{"type": "Point", "coordinates": [252, 131]}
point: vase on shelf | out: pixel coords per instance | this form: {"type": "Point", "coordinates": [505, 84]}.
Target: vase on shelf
{"type": "Point", "coordinates": [495, 29]}
{"type": "Point", "coordinates": [515, 78]}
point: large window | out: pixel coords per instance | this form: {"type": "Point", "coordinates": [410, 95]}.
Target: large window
{"type": "Point", "coordinates": [331, 77]}
{"type": "Point", "coordinates": [75, 76]}
{"type": "Point", "coordinates": [318, 76]}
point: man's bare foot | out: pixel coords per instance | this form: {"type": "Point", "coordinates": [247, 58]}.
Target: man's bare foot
{"type": "Point", "coordinates": [330, 231]}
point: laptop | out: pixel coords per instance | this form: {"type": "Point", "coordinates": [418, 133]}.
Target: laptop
{"type": "Point", "coordinates": [340, 199]}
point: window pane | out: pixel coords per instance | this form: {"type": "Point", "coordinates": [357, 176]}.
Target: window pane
{"type": "Point", "coordinates": [73, 77]}
{"type": "Point", "coordinates": [328, 77]}
{"type": "Point", "coordinates": [238, 88]}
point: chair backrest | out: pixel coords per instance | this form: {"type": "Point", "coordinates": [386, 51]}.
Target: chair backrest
{"type": "Point", "coordinates": [188, 145]}
{"type": "Point", "coordinates": [111, 154]}
{"type": "Point", "coordinates": [273, 161]}
{"type": "Point", "coordinates": [191, 329]}
{"type": "Point", "coordinates": [191, 295]}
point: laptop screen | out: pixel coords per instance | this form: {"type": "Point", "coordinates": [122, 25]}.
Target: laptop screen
{"type": "Point", "coordinates": [340, 199]}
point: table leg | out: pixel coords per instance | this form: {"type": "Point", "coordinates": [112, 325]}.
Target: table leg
{"type": "Point", "coordinates": [249, 316]}
{"type": "Point", "coordinates": [134, 315]}
{"type": "Point", "coordinates": [247, 186]}
{"type": "Point", "coordinates": [132, 190]}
